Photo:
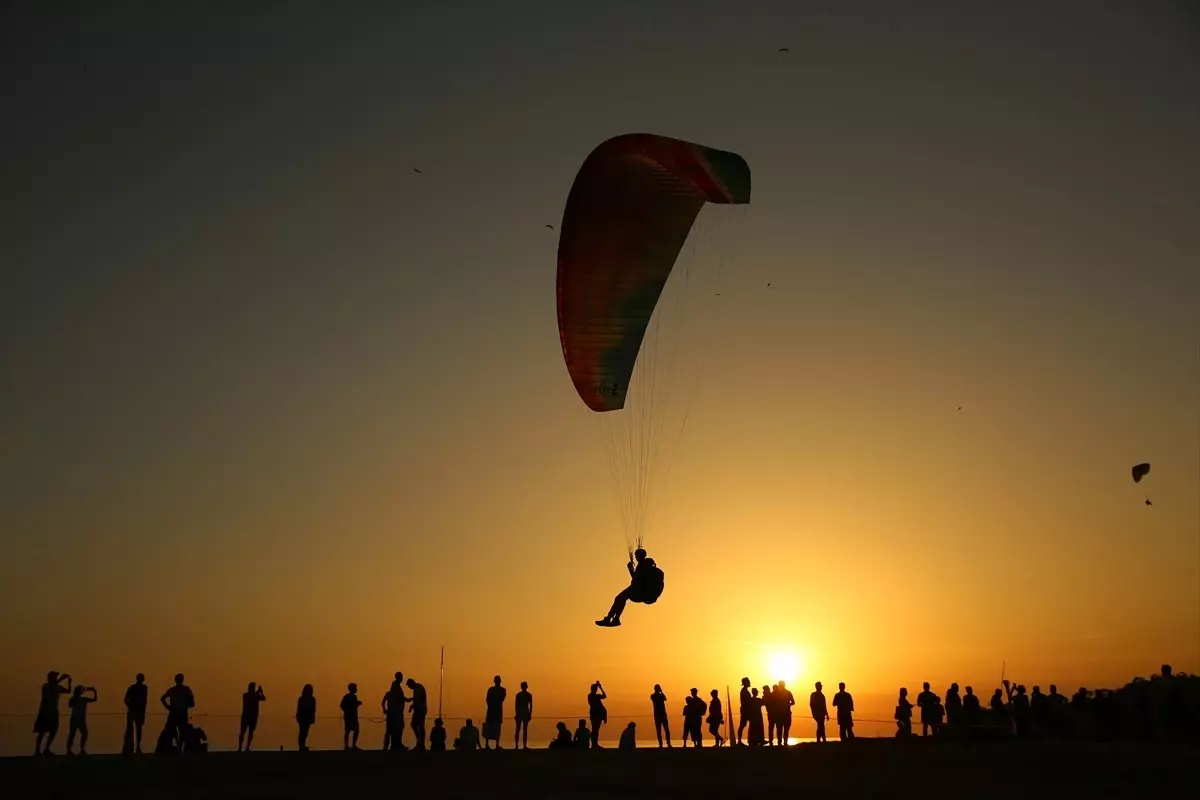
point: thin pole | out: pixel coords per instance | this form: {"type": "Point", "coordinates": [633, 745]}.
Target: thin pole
{"type": "Point", "coordinates": [441, 676]}
{"type": "Point", "coordinates": [728, 715]}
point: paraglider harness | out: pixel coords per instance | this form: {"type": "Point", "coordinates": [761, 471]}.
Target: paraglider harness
{"type": "Point", "coordinates": [648, 583]}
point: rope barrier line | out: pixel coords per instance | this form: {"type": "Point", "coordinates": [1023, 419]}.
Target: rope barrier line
{"type": "Point", "coordinates": [832, 722]}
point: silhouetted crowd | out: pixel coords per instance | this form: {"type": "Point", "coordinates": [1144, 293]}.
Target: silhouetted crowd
{"type": "Point", "coordinates": [1163, 707]}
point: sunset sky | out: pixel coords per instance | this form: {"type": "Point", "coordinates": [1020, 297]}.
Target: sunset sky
{"type": "Point", "coordinates": [276, 407]}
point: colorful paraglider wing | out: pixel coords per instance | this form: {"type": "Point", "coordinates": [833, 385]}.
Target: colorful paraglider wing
{"type": "Point", "coordinates": [1140, 471]}
{"type": "Point", "coordinates": [627, 217]}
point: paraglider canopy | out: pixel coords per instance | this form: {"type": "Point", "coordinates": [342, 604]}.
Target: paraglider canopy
{"type": "Point", "coordinates": [628, 214]}
{"type": "Point", "coordinates": [1140, 471]}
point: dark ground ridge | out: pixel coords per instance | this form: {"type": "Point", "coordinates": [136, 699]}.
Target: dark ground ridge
{"type": "Point", "coordinates": [864, 768]}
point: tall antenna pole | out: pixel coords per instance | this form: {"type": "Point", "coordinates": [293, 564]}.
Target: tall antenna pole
{"type": "Point", "coordinates": [441, 676]}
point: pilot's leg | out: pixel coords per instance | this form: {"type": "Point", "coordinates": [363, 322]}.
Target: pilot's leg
{"type": "Point", "coordinates": [618, 606]}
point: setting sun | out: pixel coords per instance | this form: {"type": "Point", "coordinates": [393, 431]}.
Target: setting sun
{"type": "Point", "coordinates": [782, 665]}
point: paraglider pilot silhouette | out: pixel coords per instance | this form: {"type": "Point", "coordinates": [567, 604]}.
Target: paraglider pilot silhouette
{"type": "Point", "coordinates": [646, 582]}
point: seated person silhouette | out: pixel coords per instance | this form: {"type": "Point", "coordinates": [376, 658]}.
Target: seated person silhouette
{"type": "Point", "coordinates": [583, 737]}
{"type": "Point", "coordinates": [562, 739]}
{"type": "Point", "coordinates": [195, 740]}
{"type": "Point", "coordinates": [645, 586]}
{"type": "Point", "coordinates": [468, 737]}
{"type": "Point", "coordinates": [437, 736]}
{"type": "Point", "coordinates": [166, 741]}
{"type": "Point", "coordinates": [628, 737]}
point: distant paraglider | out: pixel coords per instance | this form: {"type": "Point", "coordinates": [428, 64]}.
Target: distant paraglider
{"type": "Point", "coordinates": [1140, 471]}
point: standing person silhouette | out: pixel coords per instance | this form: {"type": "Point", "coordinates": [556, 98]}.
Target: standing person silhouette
{"type": "Point", "coordinates": [771, 704]}
{"type": "Point", "coordinates": [349, 706]}
{"type": "Point", "coordinates": [179, 701]}
{"type": "Point", "coordinates": [494, 720]}
{"type": "Point", "coordinates": [249, 724]}
{"type": "Point", "coordinates": [420, 708]}
{"type": "Point", "coordinates": [819, 709]}
{"type": "Point", "coordinates": [904, 715]}
{"type": "Point", "coordinates": [786, 701]}
{"type": "Point", "coordinates": [758, 736]}
{"type": "Point", "coordinates": [694, 710]}
{"type": "Point", "coordinates": [662, 726]}
{"type": "Point", "coordinates": [716, 718]}
{"type": "Point", "coordinates": [137, 697]}
{"type": "Point", "coordinates": [972, 711]}
{"type": "Point", "coordinates": [746, 707]}
{"type": "Point", "coordinates": [79, 704]}
{"type": "Point", "coordinates": [954, 709]}
{"type": "Point", "coordinates": [46, 724]}
{"type": "Point", "coordinates": [393, 707]}
{"type": "Point", "coordinates": [927, 701]}
{"type": "Point", "coordinates": [844, 703]}
{"type": "Point", "coordinates": [306, 715]}
{"type": "Point", "coordinates": [596, 711]}
{"type": "Point", "coordinates": [524, 713]}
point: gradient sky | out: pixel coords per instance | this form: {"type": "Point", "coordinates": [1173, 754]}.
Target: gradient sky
{"type": "Point", "coordinates": [276, 407]}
